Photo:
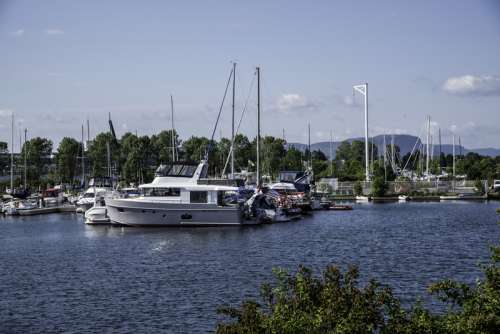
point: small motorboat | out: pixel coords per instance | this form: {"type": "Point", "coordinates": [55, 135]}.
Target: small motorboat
{"type": "Point", "coordinates": [403, 198]}
{"type": "Point", "coordinates": [339, 207]}
{"type": "Point", "coordinates": [362, 198]}
{"type": "Point", "coordinates": [97, 214]}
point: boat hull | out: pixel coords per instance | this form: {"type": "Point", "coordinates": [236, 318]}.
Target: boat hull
{"type": "Point", "coordinates": [137, 213]}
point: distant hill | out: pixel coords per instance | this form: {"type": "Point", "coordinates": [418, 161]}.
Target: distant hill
{"type": "Point", "coordinates": [405, 143]}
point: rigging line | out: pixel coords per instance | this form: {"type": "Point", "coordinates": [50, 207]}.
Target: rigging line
{"type": "Point", "coordinates": [239, 123]}
{"type": "Point", "coordinates": [411, 153]}
{"type": "Point", "coordinates": [218, 116]}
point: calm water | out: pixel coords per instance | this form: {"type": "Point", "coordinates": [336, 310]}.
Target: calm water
{"type": "Point", "coordinates": [57, 274]}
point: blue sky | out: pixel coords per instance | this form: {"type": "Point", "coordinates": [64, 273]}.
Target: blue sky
{"type": "Point", "coordinates": [64, 61]}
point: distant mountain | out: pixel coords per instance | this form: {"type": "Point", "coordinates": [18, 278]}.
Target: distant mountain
{"type": "Point", "coordinates": [405, 143]}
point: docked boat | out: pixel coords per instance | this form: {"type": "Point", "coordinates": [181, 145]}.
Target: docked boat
{"type": "Point", "coordinates": [362, 198]}
{"type": "Point", "coordinates": [180, 195]}
{"type": "Point", "coordinates": [340, 207]}
{"type": "Point", "coordinates": [97, 214]}
{"type": "Point", "coordinates": [97, 187]}
{"type": "Point", "coordinates": [403, 198]}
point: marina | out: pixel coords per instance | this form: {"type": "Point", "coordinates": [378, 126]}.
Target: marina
{"type": "Point", "coordinates": [284, 167]}
{"type": "Point", "coordinates": [59, 273]}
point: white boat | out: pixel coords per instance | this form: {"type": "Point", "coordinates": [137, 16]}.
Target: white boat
{"type": "Point", "coordinates": [402, 198]}
{"type": "Point", "coordinates": [362, 198]}
{"type": "Point", "coordinates": [97, 214]}
{"type": "Point", "coordinates": [449, 197]}
{"type": "Point", "coordinates": [14, 207]}
{"type": "Point", "coordinates": [97, 187]}
{"type": "Point", "coordinates": [180, 195]}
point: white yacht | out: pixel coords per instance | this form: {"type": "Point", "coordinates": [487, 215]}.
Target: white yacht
{"type": "Point", "coordinates": [180, 195]}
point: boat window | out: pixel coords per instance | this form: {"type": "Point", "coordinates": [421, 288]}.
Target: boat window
{"type": "Point", "coordinates": [188, 170]}
{"type": "Point", "coordinates": [198, 196]}
{"type": "Point", "coordinates": [163, 170]}
{"type": "Point", "coordinates": [161, 192]}
{"type": "Point", "coordinates": [175, 170]}
{"type": "Point", "coordinates": [204, 172]}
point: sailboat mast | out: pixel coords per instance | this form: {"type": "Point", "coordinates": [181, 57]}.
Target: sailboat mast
{"type": "Point", "coordinates": [453, 156]}
{"type": "Point", "coordinates": [427, 145]}
{"type": "Point", "coordinates": [25, 164]}
{"type": "Point", "coordinates": [440, 150]}
{"type": "Point", "coordinates": [258, 126]}
{"type": "Point", "coordinates": [108, 151]}
{"type": "Point", "coordinates": [12, 157]}
{"type": "Point", "coordinates": [366, 133]}
{"type": "Point", "coordinates": [232, 122]}
{"type": "Point", "coordinates": [309, 144]}
{"type": "Point", "coordinates": [331, 153]}
{"type": "Point", "coordinates": [172, 132]}
{"type": "Point", "coordinates": [83, 159]}
{"type": "Point", "coordinates": [385, 160]}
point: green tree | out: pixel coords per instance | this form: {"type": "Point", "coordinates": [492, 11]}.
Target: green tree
{"type": "Point", "coordinates": [379, 186]}
{"type": "Point", "coordinates": [98, 154]}
{"type": "Point", "coordinates": [273, 151]}
{"type": "Point", "coordinates": [136, 152]}
{"type": "Point", "coordinates": [66, 159]}
{"type": "Point", "coordinates": [292, 160]}
{"type": "Point", "coordinates": [162, 146]}
{"type": "Point", "coordinates": [358, 188]}
{"type": "Point", "coordinates": [38, 152]}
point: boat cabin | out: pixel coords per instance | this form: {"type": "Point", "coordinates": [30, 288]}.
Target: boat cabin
{"type": "Point", "coordinates": [186, 183]}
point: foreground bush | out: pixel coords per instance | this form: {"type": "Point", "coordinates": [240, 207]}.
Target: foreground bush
{"type": "Point", "coordinates": [335, 303]}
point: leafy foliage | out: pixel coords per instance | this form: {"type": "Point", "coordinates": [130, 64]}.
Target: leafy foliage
{"type": "Point", "coordinates": [334, 303]}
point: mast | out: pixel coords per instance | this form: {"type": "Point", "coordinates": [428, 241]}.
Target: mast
{"type": "Point", "coordinates": [25, 164]}
{"type": "Point", "coordinates": [331, 153]}
{"type": "Point", "coordinates": [232, 122]}
{"type": "Point", "coordinates": [88, 130]}
{"type": "Point", "coordinates": [83, 160]}
{"type": "Point", "coordinates": [385, 162]}
{"type": "Point", "coordinates": [440, 150]}
{"type": "Point", "coordinates": [309, 144]}
{"type": "Point", "coordinates": [427, 146]}
{"type": "Point", "coordinates": [453, 156]}
{"type": "Point", "coordinates": [172, 134]}
{"type": "Point", "coordinates": [258, 126]}
{"type": "Point", "coordinates": [108, 153]}
{"type": "Point", "coordinates": [363, 89]}
{"type": "Point", "coordinates": [12, 157]}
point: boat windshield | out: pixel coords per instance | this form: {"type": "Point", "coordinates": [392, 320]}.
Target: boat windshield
{"type": "Point", "coordinates": [88, 195]}
{"type": "Point", "coordinates": [176, 169]}
{"type": "Point", "coordinates": [161, 192]}
{"type": "Point", "coordinates": [290, 176]}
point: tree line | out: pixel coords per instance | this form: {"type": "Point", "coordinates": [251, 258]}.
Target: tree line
{"type": "Point", "coordinates": [134, 158]}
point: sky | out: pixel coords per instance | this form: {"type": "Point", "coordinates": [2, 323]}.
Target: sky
{"type": "Point", "coordinates": [65, 61]}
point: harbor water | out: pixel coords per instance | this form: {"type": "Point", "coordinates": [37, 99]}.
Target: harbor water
{"type": "Point", "coordinates": [59, 275]}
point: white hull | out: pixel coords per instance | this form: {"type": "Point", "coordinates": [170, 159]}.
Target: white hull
{"type": "Point", "coordinates": [140, 213]}
{"type": "Point", "coordinates": [96, 216]}
{"type": "Point", "coordinates": [362, 198]}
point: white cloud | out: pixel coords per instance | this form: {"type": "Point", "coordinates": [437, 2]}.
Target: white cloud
{"type": "Point", "coordinates": [17, 33]}
{"type": "Point", "coordinates": [53, 31]}
{"type": "Point", "coordinates": [473, 85]}
{"type": "Point", "coordinates": [293, 102]}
